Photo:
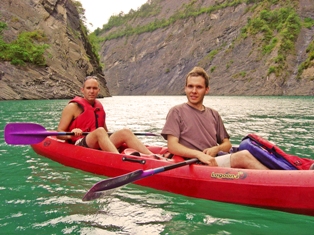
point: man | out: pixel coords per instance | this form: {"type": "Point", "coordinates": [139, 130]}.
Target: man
{"type": "Point", "coordinates": [195, 131]}
{"type": "Point", "coordinates": [87, 115]}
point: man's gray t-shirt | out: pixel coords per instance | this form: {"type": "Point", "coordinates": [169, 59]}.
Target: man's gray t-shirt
{"type": "Point", "coordinates": [195, 129]}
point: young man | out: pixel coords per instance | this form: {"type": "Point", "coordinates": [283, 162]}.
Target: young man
{"type": "Point", "coordinates": [195, 131]}
{"type": "Point", "coordinates": [87, 115]}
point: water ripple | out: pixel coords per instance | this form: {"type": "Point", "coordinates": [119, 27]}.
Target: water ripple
{"type": "Point", "coordinates": [39, 196]}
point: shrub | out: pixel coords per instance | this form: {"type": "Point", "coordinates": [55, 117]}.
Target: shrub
{"type": "Point", "coordinates": [271, 69]}
{"type": "Point", "coordinates": [309, 60]}
{"type": "Point", "coordinates": [308, 23]}
{"type": "Point", "coordinates": [24, 49]}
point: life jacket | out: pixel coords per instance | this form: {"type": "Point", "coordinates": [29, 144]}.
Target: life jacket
{"type": "Point", "coordinates": [272, 156]}
{"type": "Point", "coordinates": [90, 119]}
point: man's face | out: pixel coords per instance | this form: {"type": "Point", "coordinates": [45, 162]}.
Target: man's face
{"type": "Point", "coordinates": [90, 90]}
{"type": "Point", "coordinates": [196, 89]}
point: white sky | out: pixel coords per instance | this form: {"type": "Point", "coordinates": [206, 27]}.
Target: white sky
{"type": "Point", "coordinates": [98, 12]}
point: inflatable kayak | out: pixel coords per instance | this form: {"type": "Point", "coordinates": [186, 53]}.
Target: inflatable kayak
{"type": "Point", "coordinates": [285, 190]}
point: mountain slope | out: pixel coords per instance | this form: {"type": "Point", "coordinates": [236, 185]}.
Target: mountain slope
{"type": "Point", "coordinates": [149, 52]}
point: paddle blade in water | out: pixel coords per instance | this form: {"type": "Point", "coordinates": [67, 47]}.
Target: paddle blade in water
{"type": "Point", "coordinates": [98, 189]}
{"type": "Point", "coordinates": [119, 181]}
{"type": "Point", "coordinates": [99, 194]}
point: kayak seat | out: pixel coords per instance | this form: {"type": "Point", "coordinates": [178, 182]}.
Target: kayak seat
{"type": "Point", "coordinates": [158, 149]}
{"type": "Point", "coordinates": [161, 150]}
{"type": "Point", "coordinates": [135, 154]}
{"type": "Point", "coordinates": [158, 152]}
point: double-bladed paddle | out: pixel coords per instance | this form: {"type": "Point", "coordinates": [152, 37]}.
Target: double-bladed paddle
{"type": "Point", "coordinates": [23, 133]}
{"type": "Point", "coordinates": [102, 187]}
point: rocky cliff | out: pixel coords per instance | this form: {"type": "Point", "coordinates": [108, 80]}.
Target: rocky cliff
{"type": "Point", "coordinates": [69, 57]}
{"type": "Point", "coordinates": [151, 54]}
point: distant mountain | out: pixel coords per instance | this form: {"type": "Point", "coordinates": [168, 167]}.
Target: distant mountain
{"type": "Point", "coordinates": [248, 47]}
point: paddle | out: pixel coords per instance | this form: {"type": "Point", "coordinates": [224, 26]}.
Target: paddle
{"type": "Point", "coordinates": [22, 133]}
{"type": "Point", "coordinates": [99, 189]}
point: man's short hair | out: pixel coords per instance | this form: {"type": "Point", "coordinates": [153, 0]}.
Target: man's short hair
{"type": "Point", "coordinates": [198, 71]}
{"type": "Point", "coordinates": [88, 78]}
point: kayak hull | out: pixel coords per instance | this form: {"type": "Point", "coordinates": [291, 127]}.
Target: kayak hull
{"type": "Point", "coordinates": [286, 190]}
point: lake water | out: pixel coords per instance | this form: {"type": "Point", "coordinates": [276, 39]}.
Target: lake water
{"type": "Point", "coordinates": [39, 196]}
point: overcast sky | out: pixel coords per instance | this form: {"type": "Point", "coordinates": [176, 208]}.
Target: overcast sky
{"type": "Point", "coordinates": [98, 12]}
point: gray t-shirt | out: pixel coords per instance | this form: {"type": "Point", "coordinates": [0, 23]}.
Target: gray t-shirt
{"type": "Point", "coordinates": [195, 129]}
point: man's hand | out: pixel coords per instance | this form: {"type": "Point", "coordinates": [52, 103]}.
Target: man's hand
{"type": "Point", "coordinates": [77, 131]}
{"type": "Point", "coordinates": [213, 151]}
{"type": "Point", "coordinates": [209, 160]}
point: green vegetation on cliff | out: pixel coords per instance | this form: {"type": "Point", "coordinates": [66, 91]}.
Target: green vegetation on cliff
{"type": "Point", "coordinates": [278, 30]}
{"type": "Point", "coordinates": [152, 9]}
{"type": "Point", "coordinates": [28, 47]}
{"type": "Point", "coordinates": [274, 26]}
{"type": "Point", "coordinates": [91, 38]}
{"type": "Point", "coordinates": [309, 60]}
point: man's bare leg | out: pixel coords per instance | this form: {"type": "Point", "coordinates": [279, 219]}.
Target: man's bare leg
{"type": "Point", "coordinates": [100, 139]}
{"type": "Point", "coordinates": [127, 137]}
{"type": "Point", "coordinates": [244, 159]}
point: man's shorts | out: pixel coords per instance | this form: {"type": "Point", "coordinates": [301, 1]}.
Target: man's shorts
{"type": "Point", "coordinates": [82, 142]}
{"type": "Point", "coordinates": [223, 161]}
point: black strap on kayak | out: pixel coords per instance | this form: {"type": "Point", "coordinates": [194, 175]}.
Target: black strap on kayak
{"type": "Point", "coordinates": [127, 159]}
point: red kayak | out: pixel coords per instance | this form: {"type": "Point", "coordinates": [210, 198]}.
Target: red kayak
{"type": "Point", "coordinates": [285, 190]}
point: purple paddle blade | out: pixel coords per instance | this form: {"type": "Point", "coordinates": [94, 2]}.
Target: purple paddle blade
{"type": "Point", "coordinates": [22, 133]}
{"type": "Point", "coordinates": [101, 188]}
{"type": "Point", "coordinates": [111, 183]}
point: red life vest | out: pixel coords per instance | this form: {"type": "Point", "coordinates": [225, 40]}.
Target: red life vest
{"type": "Point", "coordinates": [90, 119]}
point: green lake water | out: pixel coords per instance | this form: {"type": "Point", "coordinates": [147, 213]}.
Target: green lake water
{"type": "Point", "coordinates": [39, 196]}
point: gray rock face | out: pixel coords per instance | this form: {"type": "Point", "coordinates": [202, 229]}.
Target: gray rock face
{"type": "Point", "coordinates": [151, 63]}
{"type": "Point", "coordinates": [155, 63]}
{"type": "Point", "coordinates": [69, 58]}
